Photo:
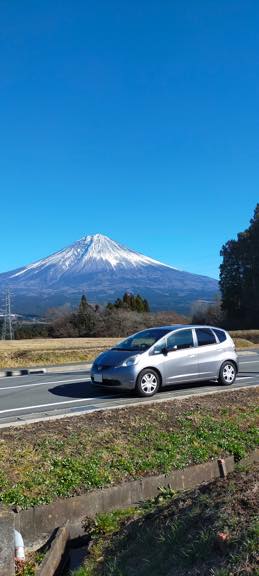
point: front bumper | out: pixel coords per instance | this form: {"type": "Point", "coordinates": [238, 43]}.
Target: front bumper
{"type": "Point", "coordinates": [123, 377]}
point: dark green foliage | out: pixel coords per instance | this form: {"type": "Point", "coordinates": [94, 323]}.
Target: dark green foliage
{"type": "Point", "coordinates": [130, 302]}
{"type": "Point", "coordinates": [32, 330]}
{"type": "Point", "coordinates": [239, 277]}
{"type": "Point", "coordinates": [83, 306]}
{"type": "Point", "coordinates": [85, 318]}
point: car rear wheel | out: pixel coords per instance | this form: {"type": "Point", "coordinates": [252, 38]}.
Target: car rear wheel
{"type": "Point", "coordinates": [227, 373]}
{"type": "Point", "coordinates": [148, 382]}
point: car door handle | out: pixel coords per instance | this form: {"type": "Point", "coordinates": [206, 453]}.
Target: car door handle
{"type": "Point", "coordinates": [192, 355]}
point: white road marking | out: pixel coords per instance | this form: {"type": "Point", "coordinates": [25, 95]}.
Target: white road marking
{"type": "Point", "coordinates": [249, 361]}
{"type": "Point", "coordinates": [42, 383]}
{"type": "Point", "coordinates": [54, 404]}
{"type": "Point", "coordinates": [244, 378]}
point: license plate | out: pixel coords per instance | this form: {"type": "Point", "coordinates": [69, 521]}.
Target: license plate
{"type": "Point", "coordinates": [98, 377]}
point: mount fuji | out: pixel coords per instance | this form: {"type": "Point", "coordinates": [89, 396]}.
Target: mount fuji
{"type": "Point", "coordinates": [103, 270]}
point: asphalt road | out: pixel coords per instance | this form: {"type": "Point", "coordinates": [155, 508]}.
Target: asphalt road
{"type": "Point", "coordinates": [37, 397]}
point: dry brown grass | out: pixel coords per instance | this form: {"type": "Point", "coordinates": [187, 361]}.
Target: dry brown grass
{"type": "Point", "coordinates": [251, 335]}
{"type": "Point", "coordinates": [55, 343]}
{"type": "Point", "coordinates": [243, 343]}
{"type": "Point", "coordinates": [44, 351]}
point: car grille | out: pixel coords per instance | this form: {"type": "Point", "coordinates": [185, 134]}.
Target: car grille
{"type": "Point", "coordinates": [101, 367]}
{"type": "Point", "coordinates": [107, 382]}
{"type": "Point", "coordinates": [111, 382]}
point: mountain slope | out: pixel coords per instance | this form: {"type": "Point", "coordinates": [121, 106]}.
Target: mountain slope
{"type": "Point", "coordinates": [103, 269]}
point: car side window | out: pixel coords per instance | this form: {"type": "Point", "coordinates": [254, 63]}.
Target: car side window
{"type": "Point", "coordinates": [205, 336]}
{"type": "Point", "coordinates": [220, 334]}
{"type": "Point", "coordinates": [180, 340]}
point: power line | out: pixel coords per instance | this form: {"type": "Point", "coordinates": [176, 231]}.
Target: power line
{"type": "Point", "coordinates": [7, 329]}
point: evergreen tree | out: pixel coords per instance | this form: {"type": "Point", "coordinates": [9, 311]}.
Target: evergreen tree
{"type": "Point", "coordinates": [139, 303]}
{"type": "Point", "coordinates": [239, 276]}
{"type": "Point", "coordinates": [83, 306]}
{"type": "Point", "coordinates": [85, 320]}
{"type": "Point", "coordinates": [130, 302]}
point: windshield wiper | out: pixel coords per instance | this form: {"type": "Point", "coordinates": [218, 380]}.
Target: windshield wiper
{"type": "Point", "coordinates": [124, 349]}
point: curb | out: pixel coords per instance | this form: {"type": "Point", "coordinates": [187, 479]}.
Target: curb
{"type": "Point", "coordinates": [36, 524]}
{"type": "Point", "coordinates": [22, 372]}
{"type": "Point", "coordinates": [64, 368]}
{"type": "Point", "coordinates": [7, 566]}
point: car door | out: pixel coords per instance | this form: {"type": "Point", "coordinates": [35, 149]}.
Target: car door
{"type": "Point", "coordinates": [181, 362]}
{"type": "Point", "coordinates": [209, 353]}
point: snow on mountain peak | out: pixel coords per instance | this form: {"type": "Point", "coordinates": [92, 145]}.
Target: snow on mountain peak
{"type": "Point", "coordinates": [102, 248]}
{"type": "Point", "coordinates": [90, 252]}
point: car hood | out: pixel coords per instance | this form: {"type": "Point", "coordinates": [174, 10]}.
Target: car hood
{"type": "Point", "coordinates": [113, 357]}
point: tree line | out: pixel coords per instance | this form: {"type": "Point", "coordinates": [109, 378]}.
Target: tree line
{"type": "Point", "coordinates": [118, 319]}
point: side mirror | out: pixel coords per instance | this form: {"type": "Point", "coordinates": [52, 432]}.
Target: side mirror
{"type": "Point", "coordinates": [173, 349]}
{"type": "Point", "coordinates": [164, 351]}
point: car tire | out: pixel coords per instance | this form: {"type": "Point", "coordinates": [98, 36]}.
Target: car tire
{"type": "Point", "coordinates": [148, 382]}
{"type": "Point", "coordinates": [227, 374]}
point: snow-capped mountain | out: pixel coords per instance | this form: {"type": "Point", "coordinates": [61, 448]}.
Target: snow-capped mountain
{"type": "Point", "coordinates": [104, 270]}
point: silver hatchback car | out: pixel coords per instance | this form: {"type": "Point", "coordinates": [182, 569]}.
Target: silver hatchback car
{"type": "Point", "coordinates": [167, 355]}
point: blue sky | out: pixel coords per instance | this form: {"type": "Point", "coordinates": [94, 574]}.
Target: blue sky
{"type": "Point", "coordinates": [137, 119]}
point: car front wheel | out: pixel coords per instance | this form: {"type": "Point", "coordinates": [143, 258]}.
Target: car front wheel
{"type": "Point", "coordinates": [227, 373]}
{"type": "Point", "coordinates": [148, 382]}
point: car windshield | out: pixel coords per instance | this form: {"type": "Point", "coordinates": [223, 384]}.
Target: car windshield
{"type": "Point", "coordinates": [142, 341]}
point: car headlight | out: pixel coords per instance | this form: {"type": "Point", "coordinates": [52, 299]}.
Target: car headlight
{"type": "Point", "coordinates": [131, 360]}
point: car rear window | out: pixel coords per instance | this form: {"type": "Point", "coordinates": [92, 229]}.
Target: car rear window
{"type": "Point", "coordinates": [205, 336]}
{"type": "Point", "coordinates": [220, 334]}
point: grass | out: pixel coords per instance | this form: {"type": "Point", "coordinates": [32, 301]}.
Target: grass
{"type": "Point", "coordinates": [32, 563]}
{"type": "Point", "coordinates": [48, 460]}
{"type": "Point", "coordinates": [243, 343]}
{"type": "Point", "coordinates": [251, 335]}
{"type": "Point", "coordinates": [44, 351]}
{"type": "Point", "coordinates": [210, 531]}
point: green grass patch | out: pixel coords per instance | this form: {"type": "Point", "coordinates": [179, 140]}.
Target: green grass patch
{"type": "Point", "coordinates": [49, 460]}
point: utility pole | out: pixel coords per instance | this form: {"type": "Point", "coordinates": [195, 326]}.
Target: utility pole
{"type": "Point", "coordinates": [7, 329]}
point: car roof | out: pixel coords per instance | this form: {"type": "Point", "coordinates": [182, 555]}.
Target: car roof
{"type": "Point", "coordinates": [177, 326]}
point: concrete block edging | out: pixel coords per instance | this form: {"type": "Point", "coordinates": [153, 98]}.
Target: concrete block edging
{"type": "Point", "coordinates": [55, 554]}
